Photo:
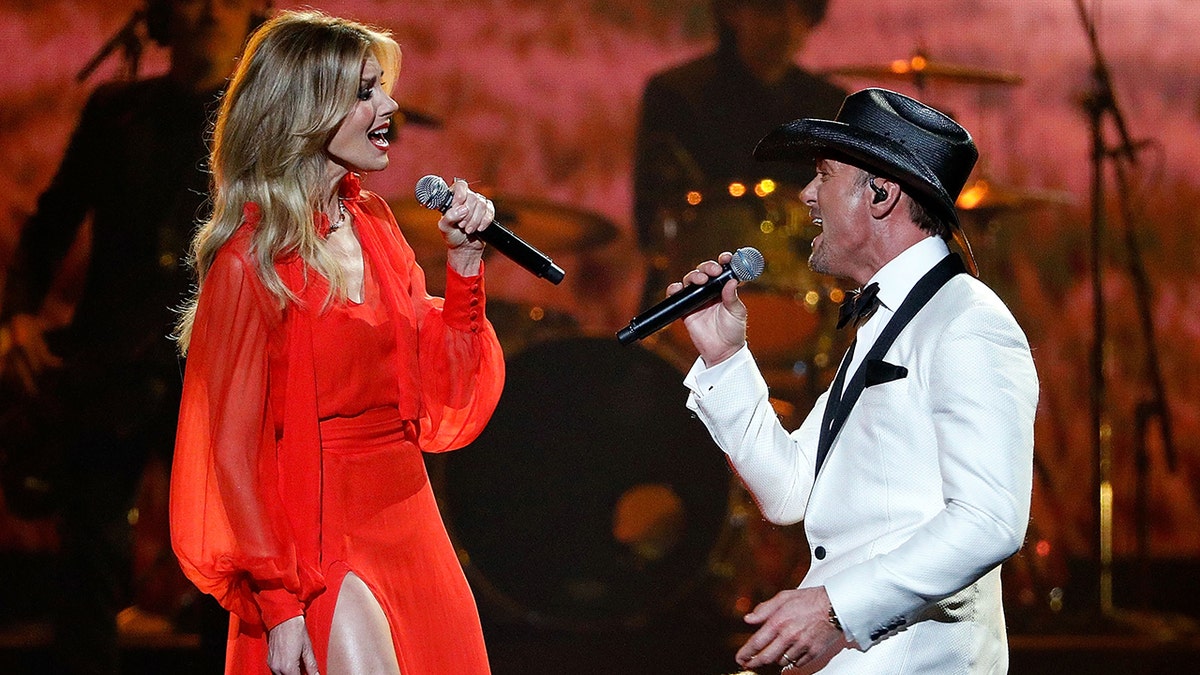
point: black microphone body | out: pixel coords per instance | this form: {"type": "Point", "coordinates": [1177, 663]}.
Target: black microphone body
{"type": "Point", "coordinates": [747, 264]}
{"type": "Point", "coordinates": [433, 193]}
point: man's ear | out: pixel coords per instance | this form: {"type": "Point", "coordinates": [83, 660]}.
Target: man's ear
{"type": "Point", "coordinates": [886, 194]}
{"type": "Point", "coordinates": [880, 193]}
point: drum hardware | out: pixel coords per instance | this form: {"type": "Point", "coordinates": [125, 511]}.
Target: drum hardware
{"type": "Point", "coordinates": [755, 558]}
{"type": "Point", "coordinates": [556, 228]}
{"type": "Point", "coordinates": [791, 308]}
{"type": "Point", "coordinates": [705, 221]}
{"type": "Point", "coordinates": [1152, 410]}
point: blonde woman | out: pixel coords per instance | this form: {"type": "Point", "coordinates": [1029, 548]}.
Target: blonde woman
{"type": "Point", "coordinates": [319, 369]}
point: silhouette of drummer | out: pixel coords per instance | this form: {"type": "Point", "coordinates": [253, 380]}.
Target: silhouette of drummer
{"type": "Point", "coordinates": [701, 120]}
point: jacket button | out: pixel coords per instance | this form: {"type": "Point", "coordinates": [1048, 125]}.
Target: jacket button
{"type": "Point", "coordinates": [819, 552]}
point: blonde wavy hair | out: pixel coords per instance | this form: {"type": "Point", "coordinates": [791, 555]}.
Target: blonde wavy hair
{"type": "Point", "coordinates": [296, 81]}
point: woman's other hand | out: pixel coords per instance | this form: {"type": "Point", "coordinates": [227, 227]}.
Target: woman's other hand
{"type": "Point", "coordinates": [289, 649]}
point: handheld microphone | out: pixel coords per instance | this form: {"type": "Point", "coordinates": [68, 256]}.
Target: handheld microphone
{"type": "Point", "coordinates": [747, 264]}
{"type": "Point", "coordinates": [433, 193]}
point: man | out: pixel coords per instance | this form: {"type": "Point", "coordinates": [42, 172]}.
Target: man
{"type": "Point", "coordinates": [700, 120]}
{"type": "Point", "coordinates": [913, 472]}
{"type": "Point", "coordinates": [135, 166]}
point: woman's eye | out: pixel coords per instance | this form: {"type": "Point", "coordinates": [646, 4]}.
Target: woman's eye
{"type": "Point", "coordinates": [364, 94]}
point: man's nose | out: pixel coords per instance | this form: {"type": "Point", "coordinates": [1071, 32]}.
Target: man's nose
{"type": "Point", "coordinates": [809, 194]}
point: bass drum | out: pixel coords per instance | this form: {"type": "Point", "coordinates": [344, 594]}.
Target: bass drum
{"type": "Point", "coordinates": [594, 498]}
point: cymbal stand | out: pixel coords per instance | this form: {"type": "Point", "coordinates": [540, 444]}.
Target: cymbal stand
{"type": "Point", "coordinates": [128, 40]}
{"type": "Point", "coordinates": [1101, 106]}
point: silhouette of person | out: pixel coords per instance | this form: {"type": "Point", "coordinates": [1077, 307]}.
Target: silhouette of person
{"type": "Point", "coordinates": [135, 166]}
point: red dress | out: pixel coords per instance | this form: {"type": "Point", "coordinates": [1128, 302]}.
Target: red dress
{"type": "Point", "coordinates": [298, 456]}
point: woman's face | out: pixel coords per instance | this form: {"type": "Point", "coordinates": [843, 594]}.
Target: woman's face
{"type": "Point", "coordinates": [360, 142]}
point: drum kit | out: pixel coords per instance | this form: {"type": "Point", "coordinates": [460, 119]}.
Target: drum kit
{"type": "Point", "coordinates": [594, 500]}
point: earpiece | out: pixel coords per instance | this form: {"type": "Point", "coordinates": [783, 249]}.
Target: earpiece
{"type": "Point", "coordinates": [880, 193]}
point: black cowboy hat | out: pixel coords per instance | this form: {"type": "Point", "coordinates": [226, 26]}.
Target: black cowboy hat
{"type": "Point", "coordinates": [902, 138]}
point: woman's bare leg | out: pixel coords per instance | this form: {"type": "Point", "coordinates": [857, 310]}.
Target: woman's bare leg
{"type": "Point", "coordinates": [360, 641]}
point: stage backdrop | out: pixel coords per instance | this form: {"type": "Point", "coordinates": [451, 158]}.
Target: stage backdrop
{"type": "Point", "coordinates": [539, 100]}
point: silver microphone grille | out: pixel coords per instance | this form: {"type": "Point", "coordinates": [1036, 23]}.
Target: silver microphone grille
{"type": "Point", "coordinates": [433, 193]}
{"type": "Point", "coordinates": [747, 263]}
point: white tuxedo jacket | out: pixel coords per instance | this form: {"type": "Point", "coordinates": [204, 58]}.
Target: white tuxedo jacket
{"type": "Point", "coordinates": [923, 493]}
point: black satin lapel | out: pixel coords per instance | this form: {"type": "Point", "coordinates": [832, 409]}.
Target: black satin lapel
{"type": "Point", "coordinates": [831, 406]}
{"type": "Point", "coordinates": [926, 288]}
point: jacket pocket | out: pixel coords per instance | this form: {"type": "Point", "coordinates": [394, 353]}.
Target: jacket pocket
{"type": "Point", "coordinates": [882, 372]}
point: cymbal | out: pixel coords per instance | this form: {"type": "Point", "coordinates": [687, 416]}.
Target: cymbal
{"type": "Point", "coordinates": [983, 195]}
{"type": "Point", "coordinates": [919, 69]}
{"type": "Point", "coordinates": [545, 225]}
{"type": "Point", "coordinates": [552, 226]}
{"type": "Point", "coordinates": [418, 223]}
{"type": "Point", "coordinates": [418, 118]}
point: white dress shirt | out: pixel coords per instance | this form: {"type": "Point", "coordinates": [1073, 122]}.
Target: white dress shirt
{"type": "Point", "coordinates": [895, 280]}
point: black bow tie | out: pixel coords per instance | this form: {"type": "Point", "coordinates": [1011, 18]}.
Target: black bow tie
{"type": "Point", "coordinates": [859, 305]}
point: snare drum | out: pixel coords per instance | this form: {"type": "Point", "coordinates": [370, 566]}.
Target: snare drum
{"type": "Point", "coordinates": [777, 224]}
{"type": "Point", "coordinates": [781, 328]}
{"type": "Point", "coordinates": [782, 321]}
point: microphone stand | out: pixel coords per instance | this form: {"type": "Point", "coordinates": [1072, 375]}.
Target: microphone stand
{"type": "Point", "coordinates": [1100, 105]}
{"type": "Point", "coordinates": [127, 40]}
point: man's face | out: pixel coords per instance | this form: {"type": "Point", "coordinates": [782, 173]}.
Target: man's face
{"type": "Point", "coordinates": [839, 202]}
{"type": "Point", "coordinates": [768, 34]}
{"type": "Point", "coordinates": [212, 30]}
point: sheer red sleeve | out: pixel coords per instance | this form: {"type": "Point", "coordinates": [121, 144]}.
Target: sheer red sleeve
{"type": "Point", "coordinates": [228, 527]}
{"type": "Point", "coordinates": [461, 366]}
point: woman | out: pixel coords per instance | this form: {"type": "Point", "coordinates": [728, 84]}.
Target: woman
{"type": "Point", "coordinates": [318, 370]}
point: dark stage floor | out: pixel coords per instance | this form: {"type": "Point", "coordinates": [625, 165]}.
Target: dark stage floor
{"type": "Point", "coordinates": [694, 637]}
{"type": "Point", "coordinates": [679, 648]}
{"type": "Point", "coordinates": [659, 654]}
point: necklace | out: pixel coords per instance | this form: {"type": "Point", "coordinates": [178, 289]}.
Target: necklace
{"type": "Point", "coordinates": [342, 215]}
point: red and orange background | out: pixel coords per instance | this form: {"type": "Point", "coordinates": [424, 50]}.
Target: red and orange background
{"type": "Point", "coordinates": [539, 99]}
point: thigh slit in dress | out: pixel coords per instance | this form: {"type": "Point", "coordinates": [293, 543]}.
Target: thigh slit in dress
{"type": "Point", "coordinates": [380, 521]}
{"type": "Point", "coordinates": [379, 518]}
